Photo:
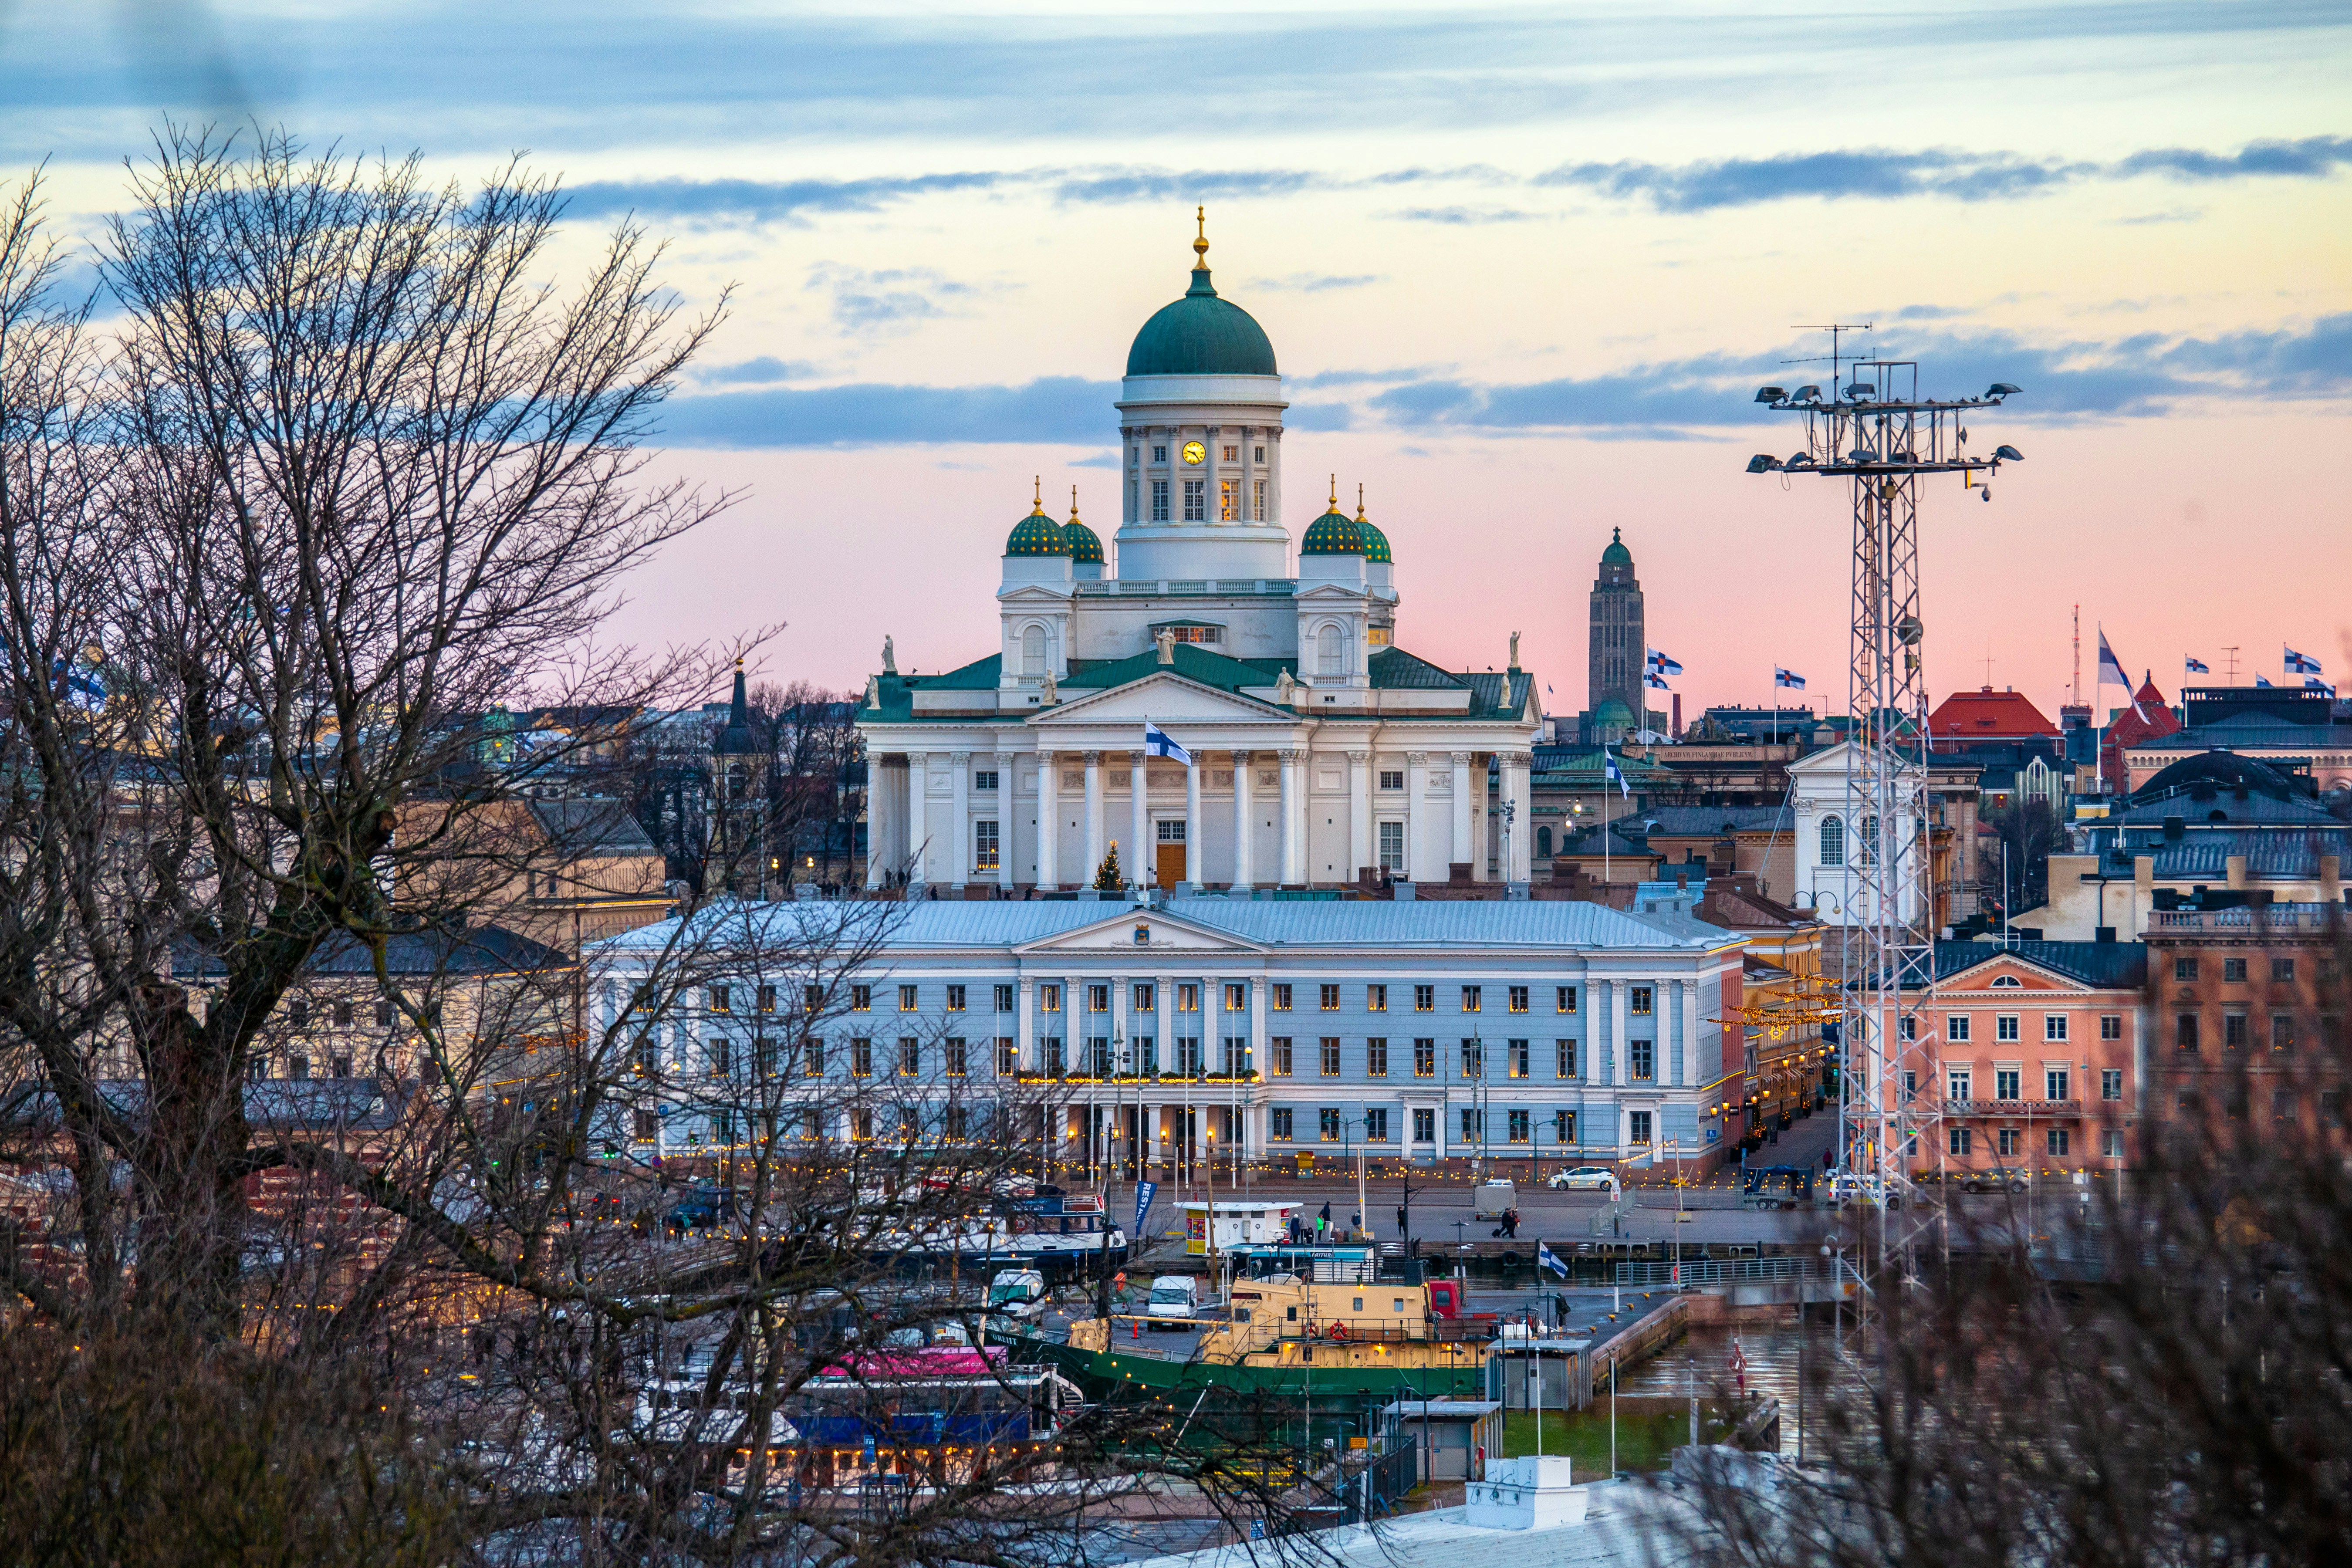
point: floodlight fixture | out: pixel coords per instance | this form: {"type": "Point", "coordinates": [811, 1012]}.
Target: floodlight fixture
{"type": "Point", "coordinates": [2001, 389]}
{"type": "Point", "coordinates": [2008, 454]}
{"type": "Point", "coordinates": [1807, 394]}
{"type": "Point", "coordinates": [1769, 395]}
{"type": "Point", "coordinates": [1762, 463]}
{"type": "Point", "coordinates": [1860, 390]}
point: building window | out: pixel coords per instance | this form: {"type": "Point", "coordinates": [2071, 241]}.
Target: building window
{"type": "Point", "coordinates": [1187, 1056]}
{"type": "Point", "coordinates": [2281, 968]}
{"type": "Point", "coordinates": [1832, 841]}
{"type": "Point", "coordinates": [2111, 1025]}
{"type": "Point", "coordinates": [1196, 500]}
{"type": "Point", "coordinates": [985, 778]}
{"type": "Point", "coordinates": [1229, 499]}
{"type": "Point", "coordinates": [1637, 1127]}
{"type": "Point", "coordinates": [1330, 998]}
{"type": "Point", "coordinates": [718, 1056]}
{"type": "Point", "coordinates": [2285, 1103]}
{"type": "Point", "coordinates": [343, 1015]}
{"type": "Point", "coordinates": [1278, 1124]}
{"type": "Point", "coordinates": [983, 846]}
{"type": "Point", "coordinates": [1907, 1027]}
{"type": "Point", "coordinates": [1281, 997]}
{"type": "Point", "coordinates": [1376, 1124]}
{"type": "Point", "coordinates": [1641, 1059]}
{"type": "Point", "coordinates": [2007, 1143]}
{"type": "Point", "coordinates": [861, 1056]}
{"type": "Point", "coordinates": [1279, 1046]}
{"type": "Point", "coordinates": [2053, 1026]}
{"type": "Point", "coordinates": [2111, 1143]}
{"type": "Point", "coordinates": [1470, 998]}
{"type": "Point", "coordinates": [2004, 1027]}
{"type": "Point", "coordinates": [1257, 495]}
{"type": "Point", "coordinates": [2234, 971]}
{"type": "Point", "coordinates": [861, 998]}
{"type": "Point", "coordinates": [2233, 1031]}
{"type": "Point", "coordinates": [1392, 850]}
{"type": "Point", "coordinates": [384, 1014]}
{"type": "Point", "coordinates": [719, 999]}
{"type": "Point", "coordinates": [1236, 996]}
{"type": "Point", "coordinates": [648, 1125]}
{"type": "Point", "coordinates": [1055, 1061]}
{"type": "Point", "coordinates": [2282, 1031]}
{"type": "Point", "coordinates": [1049, 998]}
{"type": "Point", "coordinates": [955, 998]}
{"type": "Point", "coordinates": [1563, 1126]}
{"type": "Point", "coordinates": [2058, 1142]}
{"type": "Point", "coordinates": [1376, 998]}
{"type": "Point", "coordinates": [2007, 1083]}
{"type": "Point", "coordinates": [1329, 1051]}
{"type": "Point", "coordinates": [1160, 489]}
{"type": "Point", "coordinates": [861, 1125]}
{"type": "Point", "coordinates": [1004, 1003]}
{"type": "Point", "coordinates": [1641, 1000]}
{"type": "Point", "coordinates": [1424, 1126]}
{"type": "Point", "coordinates": [297, 1067]}
{"type": "Point", "coordinates": [1566, 999]}
{"type": "Point", "coordinates": [2184, 1031]}
{"type": "Point", "coordinates": [1188, 997]}
{"type": "Point", "coordinates": [1516, 1052]}
{"type": "Point", "coordinates": [2111, 1083]}
{"type": "Point", "coordinates": [1424, 1059]}
{"type": "Point", "coordinates": [1956, 1026]}
{"type": "Point", "coordinates": [1099, 998]}
{"type": "Point", "coordinates": [1236, 1055]}
{"type": "Point", "coordinates": [815, 1056]}
{"type": "Point", "coordinates": [955, 1059]}
{"type": "Point", "coordinates": [2184, 968]}
{"type": "Point", "coordinates": [1518, 1127]}
{"type": "Point", "coordinates": [1957, 1141]}
{"type": "Point", "coordinates": [1474, 1126]}
{"type": "Point", "coordinates": [1518, 999]}
{"type": "Point", "coordinates": [339, 1065]}
{"type": "Point", "coordinates": [1376, 1057]}
{"type": "Point", "coordinates": [2057, 1083]}
{"type": "Point", "coordinates": [1233, 454]}
{"type": "Point", "coordinates": [907, 999]}
{"type": "Point", "coordinates": [649, 1060]}
{"type": "Point", "coordinates": [1327, 1124]}
{"type": "Point", "coordinates": [1474, 1060]}
{"type": "Point", "coordinates": [1008, 1056]}
{"type": "Point", "coordinates": [1424, 998]}
{"type": "Point", "coordinates": [1565, 1059]}
{"type": "Point", "coordinates": [1391, 778]}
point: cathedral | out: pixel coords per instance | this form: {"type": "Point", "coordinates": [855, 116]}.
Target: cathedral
{"type": "Point", "coordinates": [1321, 751]}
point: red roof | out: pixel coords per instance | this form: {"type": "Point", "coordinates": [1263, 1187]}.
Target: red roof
{"type": "Point", "coordinates": [1988, 715]}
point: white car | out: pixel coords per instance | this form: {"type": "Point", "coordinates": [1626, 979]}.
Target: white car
{"type": "Point", "coordinates": [1846, 1188]}
{"type": "Point", "coordinates": [1584, 1178]}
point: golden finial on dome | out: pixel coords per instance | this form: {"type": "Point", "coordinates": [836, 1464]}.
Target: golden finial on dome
{"type": "Point", "coordinates": [1073, 503]}
{"type": "Point", "coordinates": [1334, 503]}
{"type": "Point", "coordinates": [1359, 502]}
{"type": "Point", "coordinates": [1037, 495]}
{"type": "Point", "coordinates": [1200, 241]}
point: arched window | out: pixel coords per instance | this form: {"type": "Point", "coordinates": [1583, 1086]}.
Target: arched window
{"type": "Point", "coordinates": [1331, 651]}
{"type": "Point", "coordinates": [1033, 650]}
{"type": "Point", "coordinates": [1543, 842]}
{"type": "Point", "coordinates": [1832, 840]}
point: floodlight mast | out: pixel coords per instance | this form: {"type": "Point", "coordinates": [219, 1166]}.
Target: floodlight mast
{"type": "Point", "coordinates": [1879, 433]}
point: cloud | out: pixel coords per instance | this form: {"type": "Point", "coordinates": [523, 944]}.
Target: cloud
{"type": "Point", "coordinates": [1878, 173]}
{"type": "Point", "coordinates": [1064, 410]}
{"type": "Point", "coordinates": [767, 367]}
{"type": "Point", "coordinates": [762, 201]}
{"type": "Point", "coordinates": [1320, 416]}
{"type": "Point", "coordinates": [873, 301]}
{"type": "Point", "coordinates": [1459, 214]}
{"type": "Point", "coordinates": [1315, 282]}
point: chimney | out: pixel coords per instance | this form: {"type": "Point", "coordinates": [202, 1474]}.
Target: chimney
{"type": "Point", "coordinates": [2237, 864]}
{"type": "Point", "coordinates": [2331, 879]}
{"type": "Point", "coordinates": [2144, 884]}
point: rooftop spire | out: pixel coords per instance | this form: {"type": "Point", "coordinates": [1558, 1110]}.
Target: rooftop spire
{"type": "Point", "coordinates": [1334, 503]}
{"type": "Point", "coordinates": [1360, 501]}
{"type": "Point", "coordinates": [1037, 495]}
{"type": "Point", "coordinates": [1200, 240]}
{"type": "Point", "coordinates": [1073, 503]}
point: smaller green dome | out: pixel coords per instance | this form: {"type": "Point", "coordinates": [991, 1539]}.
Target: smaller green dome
{"type": "Point", "coordinates": [1038, 535]}
{"type": "Point", "coordinates": [1612, 713]}
{"type": "Point", "coordinates": [1333, 533]}
{"type": "Point", "coordinates": [1616, 555]}
{"type": "Point", "coordinates": [1086, 545]}
{"type": "Point", "coordinates": [1376, 543]}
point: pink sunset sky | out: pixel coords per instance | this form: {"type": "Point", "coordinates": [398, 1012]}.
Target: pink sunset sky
{"type": "Point", "coordinates": [1522, 266]}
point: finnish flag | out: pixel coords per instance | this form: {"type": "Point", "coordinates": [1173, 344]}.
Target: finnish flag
{"type": "Point", "coordinates": [1788, 677]}
{"type": "Point", "coordinates": [2261, 680]}
{"type": "Point", "coordinates": [1157, 742]}
{"type": "Point", "coordinates": [1654, 679]}
{"type": "Point", "coordinates": [2313, 683]}
{"type": "Point", "coordinates": [2198, 667]}
{"type": "Point", "coordinates": [2301, 663]}
{"type": "Point", "coordinates": [1615, 774]}
{"type": "Point", "coordinates": [1547, 1259]}
{"type": "Point", "coordinates": [1661, 664]}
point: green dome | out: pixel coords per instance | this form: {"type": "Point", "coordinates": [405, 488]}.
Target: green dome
{"type": "Point", "coordinates": [1613, 713]}
{"type": "Point", "coordinates": [1201, 334]}
{"type": "Point", "coordinates": [1376, 543]}
{"type": "Point", "coordinates": [1334, 533]}
{"type": "Point", "coordinates": [1616, 555]}
{"type": "Point", "coordinates": [1038, 535]}
{"type": "Point", "coordinates": [1085, 546]}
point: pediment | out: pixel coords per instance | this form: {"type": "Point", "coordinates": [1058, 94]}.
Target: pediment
{"type": "Point", "coordinates": [1160, 932]}
{"type": "Point", "coordinates": [1986, 976]}
{"type": "Point", "coordinates": [1162, 697]}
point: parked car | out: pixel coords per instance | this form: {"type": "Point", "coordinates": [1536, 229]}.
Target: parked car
{"type": "Point", "coordinates": [1584, 1179]}
{"type": "Point", "coordinates": [1994, 1181]}
{"type": "Point", "coordinates": [1844, 1187]}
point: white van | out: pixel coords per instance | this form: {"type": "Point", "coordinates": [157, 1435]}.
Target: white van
{"type": "Point", "coordinates": [1018, 1293]}
{"type": "Point", "coordinates": [1175, 1297]}
{"type": "Point", "coordinates": [1495, 1197]}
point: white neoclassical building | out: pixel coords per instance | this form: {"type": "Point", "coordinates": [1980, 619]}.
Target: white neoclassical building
{"type": "Point", "coordinates": [1323, 752]}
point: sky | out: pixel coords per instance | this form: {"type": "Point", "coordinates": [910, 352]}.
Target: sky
{"type": "Point", "coordinates": [1523, 267]}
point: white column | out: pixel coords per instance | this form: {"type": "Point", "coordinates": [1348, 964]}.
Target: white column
{"type": "Point", "coordinates": [958, 835]}
{"type": "Point", "coordinates": [1212, 1034]}
{"type": "Point", "coordinates": [1359, 814]}
{"type": "Point", "coordinates": [1049, 820]}
{"type": "Point", "coordinates": [1461, 854]}
{"type": "Point", "coordinates": [1194, 863]}
{"type": "Point", "coordinates": [1094, 819]}
{"type": "Point", "coordinates": [1242, 823]}
{"type": "Point", "coordinates": [1163, 989]}
{"type": "Point", "coordinates": [1076, 1028]}
{"type": "Point", "coordinates": [1690, 1073]}
{"type": "Point", "coordinates": [1027, 1026]}
{"type": "Point", "coordinates": [1416, 805]}
{"type": "Point", "coordinates": [1139, 817]}
{"type": "Point", "coordinates": [918, 826]}
{"type": "Point", "coordinates": [885, 813]}
{"type": "Point", "coordinates": [1516, 771]}
{"type": "Point", "coordinates": [1258, 1025]}
{"type": "Point", "coordinates": [1617, 1037]}
{"type": "Point", "coordinates": [1291, 856]}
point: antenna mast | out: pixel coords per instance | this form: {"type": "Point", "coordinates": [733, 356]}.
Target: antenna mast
{"type": "Point", "coordinates": [2074, 686]}
{"type": "Point", "coordinates": [1879, 435]}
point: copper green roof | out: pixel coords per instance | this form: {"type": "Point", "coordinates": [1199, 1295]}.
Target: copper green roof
{"type": "Point", "coordinates": [1201, 334]}
{"type": "Point", "coordinates": [1376, 543]}
{"type": "Point", "coordinates": [1086, 545]}
{"type": "Point", "coordinates": [1616, 555]}
{"type": "Point", "coordinates": [1038, 535]}
{"type": "Point", "coordinates": [1334, 533]}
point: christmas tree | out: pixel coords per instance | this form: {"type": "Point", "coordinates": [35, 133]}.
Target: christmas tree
{"type": "Point", "coordinates": [1108, 878]}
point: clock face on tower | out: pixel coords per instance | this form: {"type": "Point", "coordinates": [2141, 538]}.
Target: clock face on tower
{"type": "Point", "coordinates": [1194, 452]}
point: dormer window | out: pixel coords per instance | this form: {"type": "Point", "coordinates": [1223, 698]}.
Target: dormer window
{"type": "Point", "coordinates": [2001, 980]}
